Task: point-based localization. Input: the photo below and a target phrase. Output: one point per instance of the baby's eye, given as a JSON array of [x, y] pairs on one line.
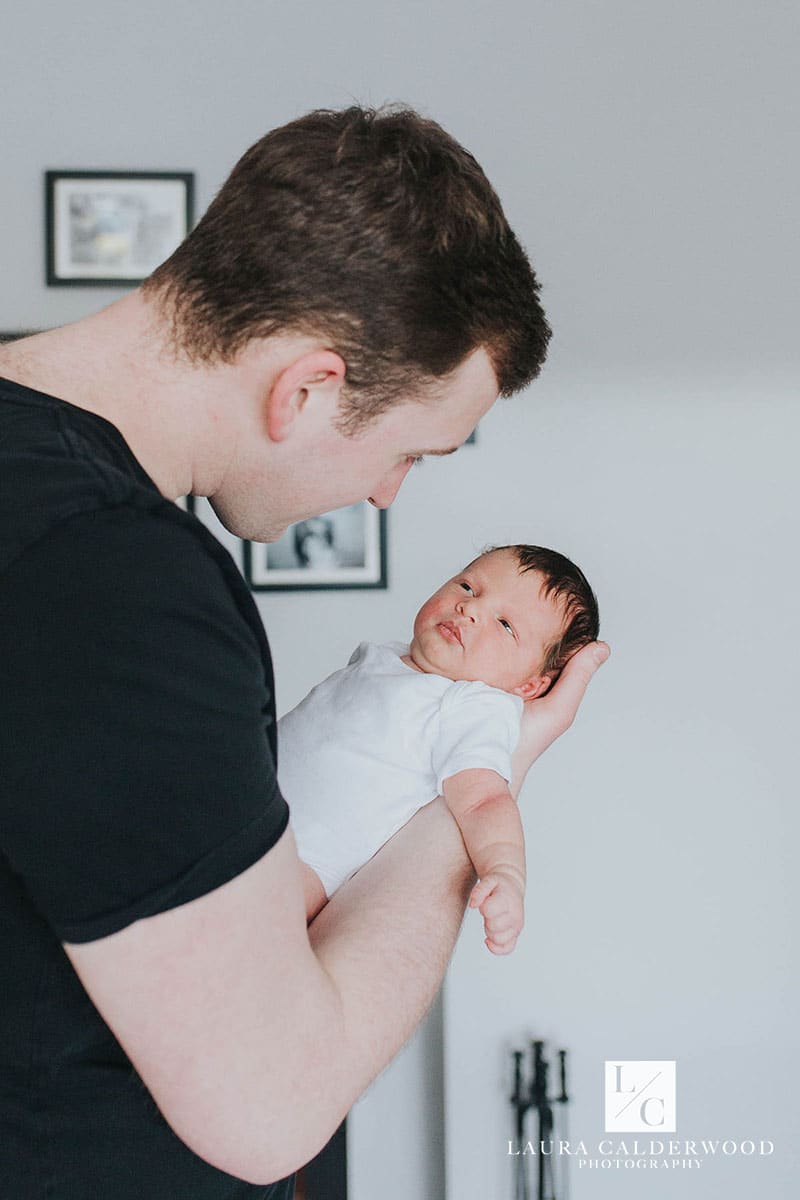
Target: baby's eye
[[466, 587], [509, 628], [416, 460]]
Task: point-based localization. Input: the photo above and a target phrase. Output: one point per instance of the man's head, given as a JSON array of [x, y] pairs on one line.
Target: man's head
[[373, 233], [512, 618]]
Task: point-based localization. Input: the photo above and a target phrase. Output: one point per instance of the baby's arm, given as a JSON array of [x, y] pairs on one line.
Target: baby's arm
[[490, 824]]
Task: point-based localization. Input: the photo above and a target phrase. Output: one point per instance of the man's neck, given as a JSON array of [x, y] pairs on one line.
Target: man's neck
[[118, 364]]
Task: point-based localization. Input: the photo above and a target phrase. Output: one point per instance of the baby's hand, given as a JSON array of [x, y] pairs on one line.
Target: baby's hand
[[501, 900]]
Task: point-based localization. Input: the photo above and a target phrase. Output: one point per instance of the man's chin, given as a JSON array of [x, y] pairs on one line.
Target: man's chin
[[270, 536], [246, 528]]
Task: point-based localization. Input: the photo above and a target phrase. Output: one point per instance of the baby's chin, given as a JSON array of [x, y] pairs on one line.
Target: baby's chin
[[431, 665]]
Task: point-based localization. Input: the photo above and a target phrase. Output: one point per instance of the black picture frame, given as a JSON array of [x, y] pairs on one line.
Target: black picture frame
[[349, 546], [13, 335], [96, 221]]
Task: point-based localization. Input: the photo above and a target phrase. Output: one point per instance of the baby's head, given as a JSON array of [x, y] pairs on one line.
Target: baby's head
[[512, 619]]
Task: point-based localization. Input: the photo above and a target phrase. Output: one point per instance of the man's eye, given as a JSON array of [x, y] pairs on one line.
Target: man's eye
[[506, 625], [466, 587]]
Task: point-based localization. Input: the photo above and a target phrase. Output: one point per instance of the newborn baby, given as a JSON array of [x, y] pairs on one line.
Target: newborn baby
[[400, 725]]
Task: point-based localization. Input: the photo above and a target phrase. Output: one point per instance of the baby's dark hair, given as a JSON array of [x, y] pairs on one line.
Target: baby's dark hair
[[566, 582]]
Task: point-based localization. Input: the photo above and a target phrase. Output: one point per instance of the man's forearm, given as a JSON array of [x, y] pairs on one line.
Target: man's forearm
[[278, 1010], [386, 936]]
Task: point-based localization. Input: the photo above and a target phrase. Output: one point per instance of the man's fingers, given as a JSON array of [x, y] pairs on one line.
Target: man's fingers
[[565, 697], [548, 717]]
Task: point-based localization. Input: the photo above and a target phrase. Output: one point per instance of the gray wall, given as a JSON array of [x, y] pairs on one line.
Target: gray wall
[[647, 156]]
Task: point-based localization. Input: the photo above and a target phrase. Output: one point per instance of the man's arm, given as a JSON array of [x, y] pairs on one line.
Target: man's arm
[[255, 1035]]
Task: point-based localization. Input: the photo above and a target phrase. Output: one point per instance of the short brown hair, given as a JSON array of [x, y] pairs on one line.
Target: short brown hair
[[372, 229], [564, 581]]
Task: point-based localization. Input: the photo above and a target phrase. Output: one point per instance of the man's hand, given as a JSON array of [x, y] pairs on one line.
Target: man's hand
[[501, 900], [545, 719]]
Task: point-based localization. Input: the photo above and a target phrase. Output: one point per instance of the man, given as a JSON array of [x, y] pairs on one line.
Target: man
[[351, 301]]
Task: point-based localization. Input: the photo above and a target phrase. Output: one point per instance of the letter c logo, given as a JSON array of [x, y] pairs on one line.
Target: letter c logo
[[643, 1111]]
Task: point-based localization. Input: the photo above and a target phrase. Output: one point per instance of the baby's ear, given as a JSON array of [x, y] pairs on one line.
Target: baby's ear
[[533, 687]]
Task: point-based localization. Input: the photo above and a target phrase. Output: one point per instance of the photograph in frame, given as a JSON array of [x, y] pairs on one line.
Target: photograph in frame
[[113, 227], [345, 548], [14, 335]]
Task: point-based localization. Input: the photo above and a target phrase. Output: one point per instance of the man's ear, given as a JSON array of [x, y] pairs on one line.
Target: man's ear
[[321, 372], [533, 687]]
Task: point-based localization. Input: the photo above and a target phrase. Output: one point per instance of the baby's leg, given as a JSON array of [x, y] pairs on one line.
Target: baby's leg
[[313, 892]]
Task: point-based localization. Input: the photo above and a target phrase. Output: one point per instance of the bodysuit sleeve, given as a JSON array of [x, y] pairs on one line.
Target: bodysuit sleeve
[[137, 770], [478, 727]]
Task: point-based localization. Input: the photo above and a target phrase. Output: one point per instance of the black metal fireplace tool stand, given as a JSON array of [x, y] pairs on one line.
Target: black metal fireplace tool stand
[[533, 1094]]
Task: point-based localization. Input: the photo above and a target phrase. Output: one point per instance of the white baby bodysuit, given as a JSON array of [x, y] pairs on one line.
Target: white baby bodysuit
[[372, 744]]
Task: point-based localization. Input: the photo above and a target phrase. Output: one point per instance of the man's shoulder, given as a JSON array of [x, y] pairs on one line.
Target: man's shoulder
[[59, 463], [143, 556]]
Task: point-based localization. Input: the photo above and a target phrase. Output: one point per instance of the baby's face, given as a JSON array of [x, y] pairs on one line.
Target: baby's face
[[490, 622]]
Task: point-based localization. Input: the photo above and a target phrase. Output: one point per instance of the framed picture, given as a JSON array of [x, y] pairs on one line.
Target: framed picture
[[341, 549], [12, 335], [113, 227]]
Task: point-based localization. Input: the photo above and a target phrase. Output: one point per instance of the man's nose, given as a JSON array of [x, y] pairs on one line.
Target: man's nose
[[389, 486]]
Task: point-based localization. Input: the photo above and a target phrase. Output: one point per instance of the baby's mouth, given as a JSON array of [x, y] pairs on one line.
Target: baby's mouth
[[451, 632]]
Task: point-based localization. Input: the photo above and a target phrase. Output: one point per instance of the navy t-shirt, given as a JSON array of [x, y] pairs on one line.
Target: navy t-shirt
[[137, 772]]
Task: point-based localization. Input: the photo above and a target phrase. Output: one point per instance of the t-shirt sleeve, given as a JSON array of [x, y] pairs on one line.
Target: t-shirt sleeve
[[137, 771], [478, 727]]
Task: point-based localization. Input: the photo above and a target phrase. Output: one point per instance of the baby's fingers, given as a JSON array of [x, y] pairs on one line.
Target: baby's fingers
[[498, 907], [501, 935], [501, 947], [483, 888]]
